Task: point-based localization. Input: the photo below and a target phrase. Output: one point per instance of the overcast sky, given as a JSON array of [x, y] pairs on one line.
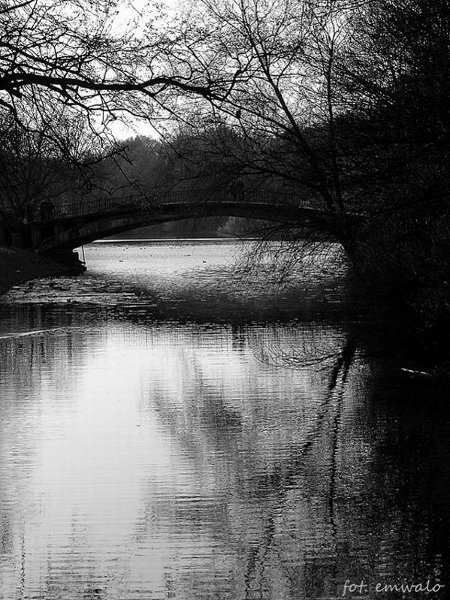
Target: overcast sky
[[132, 10]]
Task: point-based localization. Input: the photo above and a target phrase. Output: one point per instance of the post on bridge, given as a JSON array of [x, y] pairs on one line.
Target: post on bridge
[[46, 210], [237, 190]]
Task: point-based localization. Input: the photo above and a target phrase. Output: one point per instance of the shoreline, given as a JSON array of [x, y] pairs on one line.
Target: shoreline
[[18, 266]]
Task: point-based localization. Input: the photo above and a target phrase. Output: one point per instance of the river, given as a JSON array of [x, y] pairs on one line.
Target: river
[[176, 426]]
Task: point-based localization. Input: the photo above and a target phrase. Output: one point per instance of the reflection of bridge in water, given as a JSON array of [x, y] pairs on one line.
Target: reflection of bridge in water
[[49, 228]]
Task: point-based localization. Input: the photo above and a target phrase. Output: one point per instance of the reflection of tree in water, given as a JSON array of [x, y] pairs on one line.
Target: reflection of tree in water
[[272, 492], [285, 477], [403, 492], [342, 497], [333, 504], [409, 424]]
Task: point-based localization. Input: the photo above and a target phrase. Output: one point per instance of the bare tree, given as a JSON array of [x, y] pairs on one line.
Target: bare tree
[[79, 53], [347, 102], [283, 100], [48, 163], [67, 70]]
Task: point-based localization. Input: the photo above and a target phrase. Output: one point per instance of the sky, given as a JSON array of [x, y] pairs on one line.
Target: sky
[[131, 10]]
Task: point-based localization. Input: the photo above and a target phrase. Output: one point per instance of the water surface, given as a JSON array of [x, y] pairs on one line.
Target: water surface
[[173, 429]]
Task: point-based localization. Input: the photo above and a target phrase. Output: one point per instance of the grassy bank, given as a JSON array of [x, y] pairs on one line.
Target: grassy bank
[[18, 265]]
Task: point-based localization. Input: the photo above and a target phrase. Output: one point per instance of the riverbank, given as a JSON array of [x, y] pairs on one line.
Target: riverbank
[[17, 266]]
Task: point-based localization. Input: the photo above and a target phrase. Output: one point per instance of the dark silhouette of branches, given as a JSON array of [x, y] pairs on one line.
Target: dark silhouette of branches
[[80, 54]]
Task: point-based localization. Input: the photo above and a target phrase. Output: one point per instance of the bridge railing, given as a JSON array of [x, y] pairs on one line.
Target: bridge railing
[[47, 211]]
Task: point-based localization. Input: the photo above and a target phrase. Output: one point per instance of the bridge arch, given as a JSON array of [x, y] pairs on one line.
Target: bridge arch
[[72, 230]]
